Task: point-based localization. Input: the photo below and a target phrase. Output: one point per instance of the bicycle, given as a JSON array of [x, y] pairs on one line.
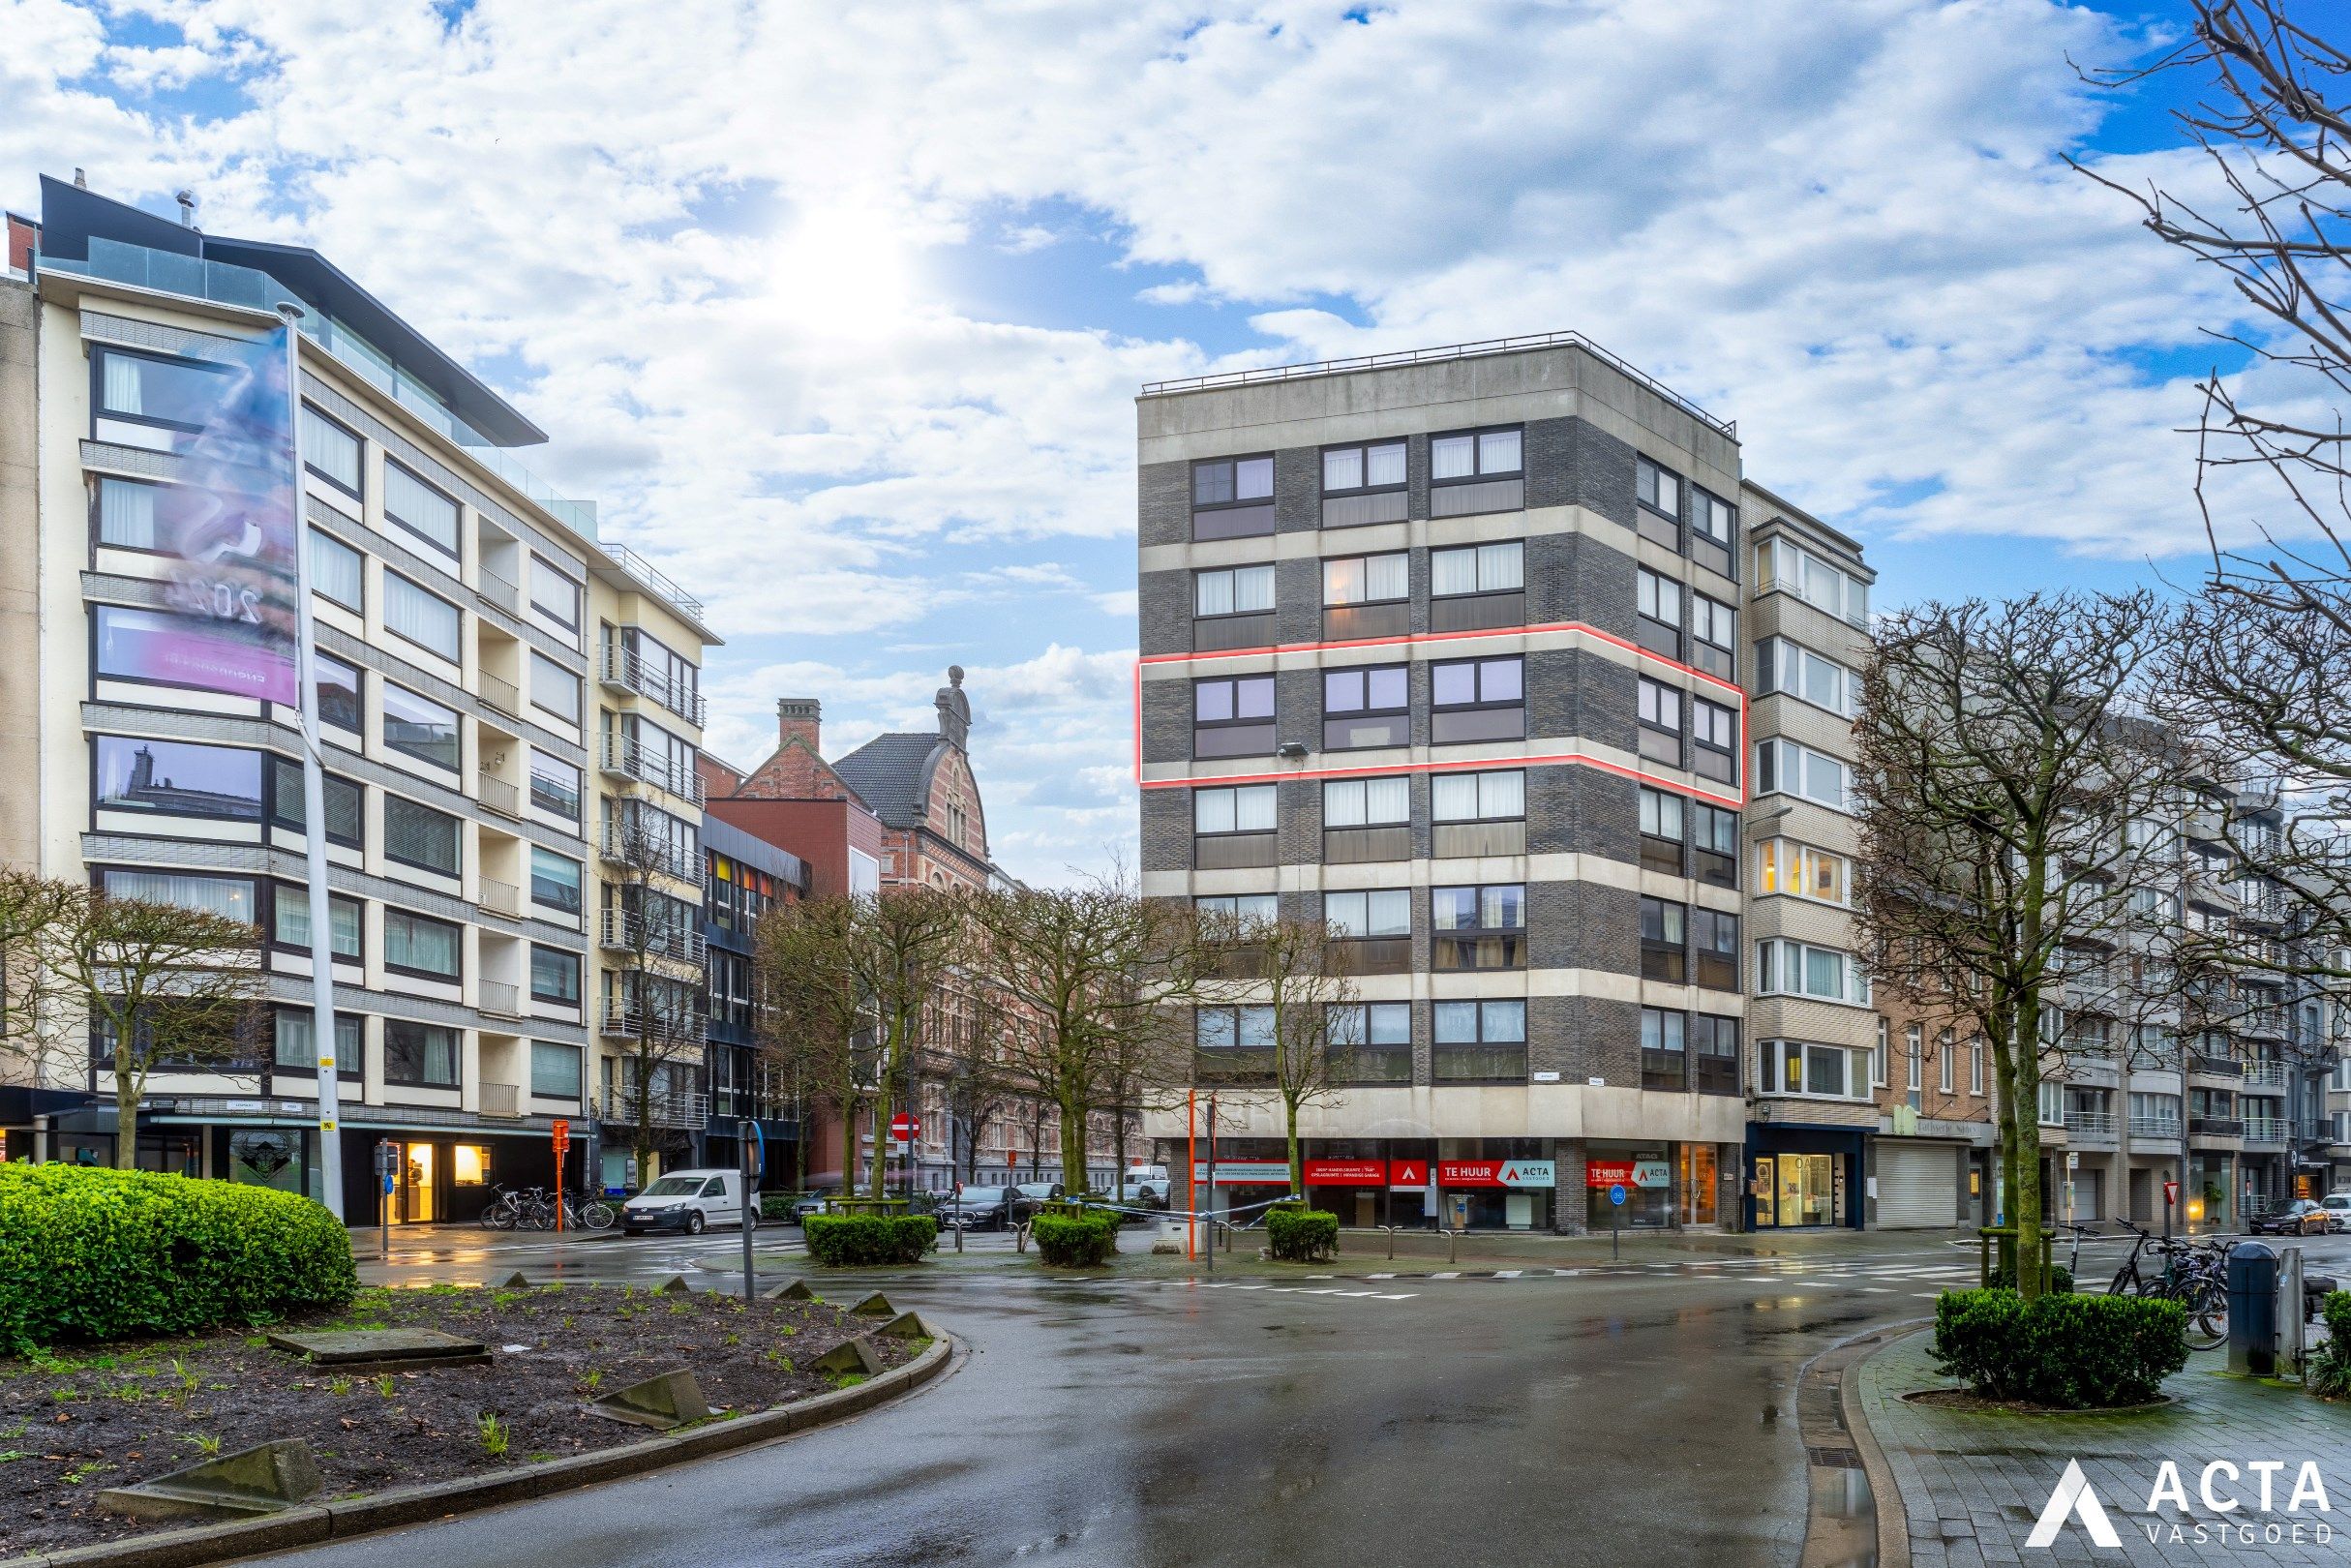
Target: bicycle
[[505, 1211]]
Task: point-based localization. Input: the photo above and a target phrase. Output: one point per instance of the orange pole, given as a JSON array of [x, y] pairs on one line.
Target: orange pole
[[1192, 1167]]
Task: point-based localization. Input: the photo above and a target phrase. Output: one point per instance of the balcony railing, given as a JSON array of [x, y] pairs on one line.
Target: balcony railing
[[628, 931], [2165, 1128], [500, 796], [2219, 1067], [2265, 1075], [652, 855], [499, 998], [628, 672], [667, 1108], [500, 1100], [681, 1025], [2266, 1129], [637, 566], [2216, 1126], [629, 760], [500, 592], [2089, 1124], [504, 897], [501, 693]]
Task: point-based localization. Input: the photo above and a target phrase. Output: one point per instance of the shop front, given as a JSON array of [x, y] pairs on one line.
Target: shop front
[[1804, 1178]]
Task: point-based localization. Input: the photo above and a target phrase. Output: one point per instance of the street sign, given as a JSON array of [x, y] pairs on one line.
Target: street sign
[[905, 1129], [1616, 1194], [2073, 1159]]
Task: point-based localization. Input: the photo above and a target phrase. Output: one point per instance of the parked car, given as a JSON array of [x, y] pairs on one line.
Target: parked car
[[2338, 1210], [976, 1208], [2302, 1217], [1147, 1186], [691, 1202], [1021, 1206]]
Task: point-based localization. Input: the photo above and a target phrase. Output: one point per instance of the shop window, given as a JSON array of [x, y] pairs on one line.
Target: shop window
[[469, 1164]]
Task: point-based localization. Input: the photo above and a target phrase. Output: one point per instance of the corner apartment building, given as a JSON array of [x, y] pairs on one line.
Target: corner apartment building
[[452, 592], [1444, 649]]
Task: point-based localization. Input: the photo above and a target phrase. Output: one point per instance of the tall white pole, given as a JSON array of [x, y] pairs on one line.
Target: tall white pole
[[314, 804]]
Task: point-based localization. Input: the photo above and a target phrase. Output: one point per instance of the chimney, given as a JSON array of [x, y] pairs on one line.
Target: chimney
[[187, 202], [801, 717], [82, 181]]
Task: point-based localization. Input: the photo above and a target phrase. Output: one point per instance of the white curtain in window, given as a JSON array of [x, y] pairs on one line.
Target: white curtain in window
[[334, 569], [330, 450], [1498, 452], [1453, 797], [1214, 594], [1252, 589], [440, 1056], [122, 385], [126, 512], [419, 617], [420, 507], [1387, 577], [1453, 571], [1342, 803], [293, 922], [220, 895], [1387, 799], [1385, 464], [1253, 809], [1455, 457], [1342, 470], [1502, 796], [1501, 567], [415, 944]]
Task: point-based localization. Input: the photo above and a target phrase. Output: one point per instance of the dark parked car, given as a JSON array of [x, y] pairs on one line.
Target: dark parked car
[[978, 1208], [1020, 1206], [2303, 1217]]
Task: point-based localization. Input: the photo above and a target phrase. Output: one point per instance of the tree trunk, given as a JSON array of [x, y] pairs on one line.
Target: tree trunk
[[1289, 1109], [126, 1117], [2028, 1206], [1073, 1147]]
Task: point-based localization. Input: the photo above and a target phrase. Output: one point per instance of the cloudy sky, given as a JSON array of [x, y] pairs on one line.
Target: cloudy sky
[[839, 311]]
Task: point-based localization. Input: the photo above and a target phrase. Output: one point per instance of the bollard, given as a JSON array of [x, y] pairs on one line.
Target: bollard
[[2289, 1312], [2253, 1310], [1453, 1246], [1391, 1230]]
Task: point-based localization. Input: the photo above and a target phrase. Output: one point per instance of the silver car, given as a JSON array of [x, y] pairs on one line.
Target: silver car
[[2338, 1211]]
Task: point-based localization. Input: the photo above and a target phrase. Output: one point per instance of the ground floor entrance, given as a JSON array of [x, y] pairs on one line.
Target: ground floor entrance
[[1801, 1178]]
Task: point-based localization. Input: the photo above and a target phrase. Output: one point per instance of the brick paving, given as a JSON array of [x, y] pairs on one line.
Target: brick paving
[[1973, 1484]]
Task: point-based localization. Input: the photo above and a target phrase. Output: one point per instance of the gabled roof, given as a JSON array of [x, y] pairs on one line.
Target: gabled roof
[[892, 773]]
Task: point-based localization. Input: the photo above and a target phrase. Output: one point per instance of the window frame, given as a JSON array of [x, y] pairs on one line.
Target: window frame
[[1478, 472], [1363, 786], [457, 725], [1665, 957], [570, 622], [275, 808], [1477, 568], [101, 351], [578, 977], [278, 892], [358, 440], [577, 909], [457, 651], [98, 744], [1363, 451], [1233, 462], [454, 550], [400, 912], [1269, 721], [1481, 704], [1202, 575], [1645, 467], [1233, 790], [577, 716], [457, 836], [312, 532], [1454, 938], [457, 1055], [1365, 559], [1476, 776]]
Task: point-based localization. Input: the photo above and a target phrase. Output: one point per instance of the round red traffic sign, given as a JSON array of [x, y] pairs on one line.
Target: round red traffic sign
[[905, 1129]]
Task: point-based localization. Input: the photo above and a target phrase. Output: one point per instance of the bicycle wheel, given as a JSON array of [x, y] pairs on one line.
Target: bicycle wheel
[[539, 1217], [498, 1216], [2207, 1316], [596, 1215]]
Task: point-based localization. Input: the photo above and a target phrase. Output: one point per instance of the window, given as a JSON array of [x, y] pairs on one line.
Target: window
[[1349, 469], [177, 778], [1480, 455], [1657, 489], [419, 1055], [1478, 700], [1379, 912], [1238, 909], [1797, 969], [1479, 1039], [1497, 796], [1366, 580], [1793, 670], [1793, 1067], [1714, 1047], [1664, 941], [1232, 716], [555, 976], [1786, 768], [1711, 516], [1487, 568], [1714, 728], [231, 896], [1665, 1050], [152, 646], [419, 508], [415, 835], [1369, 707], [1714, 835], [420, 945], [1235, 1029], [1660, 713], [1232, 497], [1662, 831], [554, 786], [1880, 1057], [330, 451], [1248, 808], [555, 1071], [1658, 601], [339, 702], [346, 804], [1365, 802], [290, 916], [298, 1035], [554, 593], [555, 688], [1374, 1040], [337, 571], [1236, 591], [1975, 1065], [151, 390], [135, 515], [654, 668], [1479, 927], [1714, 637], [1800, 871], [555, 881], [1781, 566], [424, 618], [1714, 948], [1947, 1066], [419, 729]]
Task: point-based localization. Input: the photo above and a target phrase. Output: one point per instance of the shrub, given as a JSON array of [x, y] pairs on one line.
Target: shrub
[[2060, 1279], [1074, 1240], [778, 1205], [109, 1254], [847, 1241], [2074, 1353], [2330, 1366], [1302, 1235]]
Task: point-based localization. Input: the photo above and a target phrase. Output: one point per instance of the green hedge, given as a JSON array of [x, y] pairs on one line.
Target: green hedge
[[2329, 1367], [2060, 1279], [1302, 1235], [846, 1240], [2075, 1352], [111, 1254], [1078, 1241]]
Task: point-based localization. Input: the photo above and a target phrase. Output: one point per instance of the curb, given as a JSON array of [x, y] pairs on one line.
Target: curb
[[1837, 1440], [443, 1499], [1893, 1520]]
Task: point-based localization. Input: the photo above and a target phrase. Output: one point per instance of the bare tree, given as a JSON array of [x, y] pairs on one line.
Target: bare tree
[[164, 985], [906, 945], [2017, 808], [44, 1025], [1282, 990], [815, 1025], [657, 998]]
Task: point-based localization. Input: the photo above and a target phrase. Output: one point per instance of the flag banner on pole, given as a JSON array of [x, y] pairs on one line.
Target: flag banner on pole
[[229, 625]]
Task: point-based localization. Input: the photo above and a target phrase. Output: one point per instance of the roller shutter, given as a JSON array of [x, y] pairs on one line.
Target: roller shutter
[[1918, 1186]]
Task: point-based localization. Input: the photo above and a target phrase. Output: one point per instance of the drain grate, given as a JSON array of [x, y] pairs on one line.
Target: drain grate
[[1834, 1459]]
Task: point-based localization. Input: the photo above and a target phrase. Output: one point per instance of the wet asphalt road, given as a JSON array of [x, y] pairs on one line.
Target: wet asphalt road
[[1620, 1418]]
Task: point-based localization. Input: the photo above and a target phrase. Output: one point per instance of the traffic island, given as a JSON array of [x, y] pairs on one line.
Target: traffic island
[[90, 1435]]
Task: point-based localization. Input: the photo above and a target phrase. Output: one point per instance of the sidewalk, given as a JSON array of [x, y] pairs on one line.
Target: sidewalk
[[1973, 1484]]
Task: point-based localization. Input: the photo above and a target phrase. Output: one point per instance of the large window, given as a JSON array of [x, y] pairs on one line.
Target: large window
[[1782, 865], [419, 945], [1234, 1040], [424, 618], [1713, 529], [1714, 949], [555, 688], [1485, 454], [1365, 802], [1233, 591], [1714, 738], [1713, 637], [1497, 796], [1657, 602], [1372, 1042], [419, 508], [1232, 716], [1356, 579], [1782, 567], [1239, 911], [419, 1055], [1248, 808], [297, 1042], [1664, 831], [135, 515], [177, 778], [1786, 968], [555, 976], [555, 594], [1478, 700], [1487, 568], [1367, 707], [1368, 913], [1479, 927], [415, 835], [346, 804], [1660, 712], [232, 896], [337, 572], [1656, 488], [1714, 835], [289, 922], [1787, 767], [1232, 497], [555, 1070], [1665, 1050], [1664, 941], [1346, 470], [555, 881], [330, 451], [167, 397], [419, 729], [339, 702], [554, 786], [1714, 1049], [1793, 1067], [1796, 671], [1479, 1041]]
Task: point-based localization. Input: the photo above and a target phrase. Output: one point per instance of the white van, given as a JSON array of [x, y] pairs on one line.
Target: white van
[[690, 1200], [1147, 1186]]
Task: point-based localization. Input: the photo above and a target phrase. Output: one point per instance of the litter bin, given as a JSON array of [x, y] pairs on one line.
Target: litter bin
[[2253, 1310]]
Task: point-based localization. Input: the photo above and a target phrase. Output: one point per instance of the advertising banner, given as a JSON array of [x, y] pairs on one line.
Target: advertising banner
[[1600, 1173], [232, 532], [1245, 1172], [1346, 1173], [1521, 1173]]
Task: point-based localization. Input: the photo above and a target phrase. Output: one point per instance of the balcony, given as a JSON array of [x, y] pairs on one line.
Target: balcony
[[683, 1025], [2267, 1130], [624, 670], [626, 930], [499, 796], [499, 693], [2216, 1067], [667, 1107], [2265, 1075], [625, 759], [500, 1100], [2216, 1126], [501, 999], [644, 851], [637, 566], [2155, 1129], [499, 897], [2094, 1126], [495, 588]]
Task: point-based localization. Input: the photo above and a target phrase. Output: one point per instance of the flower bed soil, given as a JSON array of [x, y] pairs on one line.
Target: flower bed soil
[[82, 1418], [1967, 1399]]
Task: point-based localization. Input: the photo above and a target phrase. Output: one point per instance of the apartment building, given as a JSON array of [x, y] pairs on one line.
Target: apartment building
[[745, 876], [452, 594], [1443, 650]]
